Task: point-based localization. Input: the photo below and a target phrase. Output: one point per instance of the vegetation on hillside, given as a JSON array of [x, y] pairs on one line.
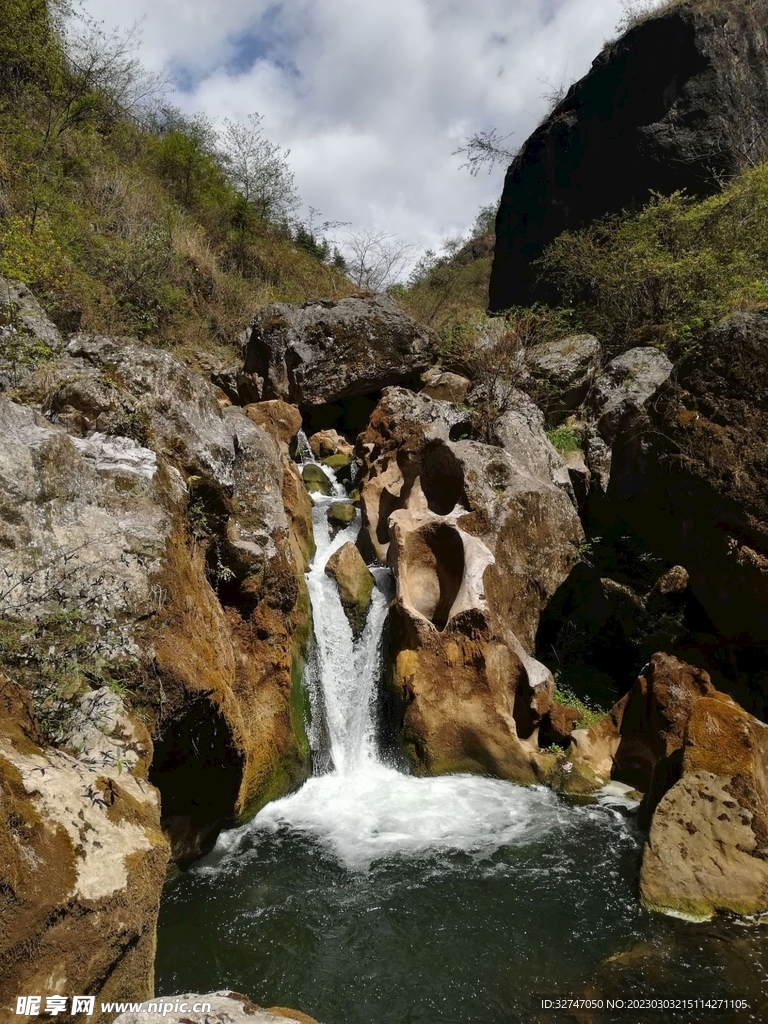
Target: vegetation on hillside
[[127, 216], [663, 276]]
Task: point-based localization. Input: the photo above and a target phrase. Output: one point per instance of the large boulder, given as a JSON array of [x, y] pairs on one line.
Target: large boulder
[[82, 856], [690, 474], [623, 388], [562, 372], [479, 537], [707, 849], [639, 741], [327, 351], [671, 105]]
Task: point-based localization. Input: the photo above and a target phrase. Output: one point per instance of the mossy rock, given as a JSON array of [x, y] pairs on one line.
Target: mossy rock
[[340, 515], [315, 480], [355, 583], [341, 465]]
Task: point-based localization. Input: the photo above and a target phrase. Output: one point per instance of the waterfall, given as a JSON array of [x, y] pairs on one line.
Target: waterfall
[[356, 805]]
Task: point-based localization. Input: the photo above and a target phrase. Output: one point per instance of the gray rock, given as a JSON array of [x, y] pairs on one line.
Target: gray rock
[[84, 523], [624, 386], [27, 336], [563, 371], [327, 351]]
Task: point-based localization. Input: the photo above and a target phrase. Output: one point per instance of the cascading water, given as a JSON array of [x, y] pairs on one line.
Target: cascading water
[[374, 897], [364, 808]]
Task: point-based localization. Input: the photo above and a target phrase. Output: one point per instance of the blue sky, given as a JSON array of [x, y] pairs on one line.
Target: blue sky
[[373, 96]]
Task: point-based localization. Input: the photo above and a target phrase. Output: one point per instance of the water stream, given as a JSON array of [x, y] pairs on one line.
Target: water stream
[[374, 897]]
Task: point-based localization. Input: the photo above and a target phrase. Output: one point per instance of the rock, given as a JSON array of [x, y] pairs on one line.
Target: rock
[[689, 475], [624, 386], [84, 523], [479, 537], [445, 387], [562, 372], [329, 442], [623, 389], [579, 475], [355, 583], [27, 337], [558, 724], [279, 419], [340, 514], [223, 1008], [668, 106], [670, 591], [82, 857], [315, 480], [327, 351], [341, 464], [708, 844], [640, 741], [202, 535]]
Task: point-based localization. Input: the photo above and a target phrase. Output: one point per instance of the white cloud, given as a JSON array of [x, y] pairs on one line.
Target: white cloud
[[372, 96]]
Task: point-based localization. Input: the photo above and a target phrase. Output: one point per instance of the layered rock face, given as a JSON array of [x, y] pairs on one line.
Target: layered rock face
[[676, 103], [83, 857], [690, 473], [228, 619], [170, 536], [331, 351], [479, 537]]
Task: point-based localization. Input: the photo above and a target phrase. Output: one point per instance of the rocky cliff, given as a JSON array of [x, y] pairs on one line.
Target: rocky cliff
[[679, 102]]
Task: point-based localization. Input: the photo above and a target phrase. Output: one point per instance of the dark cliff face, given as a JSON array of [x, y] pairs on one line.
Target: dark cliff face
[[679, 102]]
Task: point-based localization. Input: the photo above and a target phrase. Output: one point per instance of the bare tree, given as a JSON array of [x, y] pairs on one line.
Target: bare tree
[[258, 168], [375, 259], [485, 149]]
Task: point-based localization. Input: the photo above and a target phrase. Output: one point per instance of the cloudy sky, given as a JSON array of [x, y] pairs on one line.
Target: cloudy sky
[[373, 96]]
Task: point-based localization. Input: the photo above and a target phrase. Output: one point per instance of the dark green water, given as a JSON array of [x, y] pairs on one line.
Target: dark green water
[[447, 937]]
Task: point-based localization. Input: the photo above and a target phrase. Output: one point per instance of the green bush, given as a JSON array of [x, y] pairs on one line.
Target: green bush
[[564, 438], [589, 713], [664, 275]]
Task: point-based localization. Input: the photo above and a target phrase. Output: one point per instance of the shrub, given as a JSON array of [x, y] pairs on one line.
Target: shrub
[[664, 275], [564, 438], [589, 713]]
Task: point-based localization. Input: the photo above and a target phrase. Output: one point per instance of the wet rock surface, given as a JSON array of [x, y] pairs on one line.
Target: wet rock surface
[[478, 536]]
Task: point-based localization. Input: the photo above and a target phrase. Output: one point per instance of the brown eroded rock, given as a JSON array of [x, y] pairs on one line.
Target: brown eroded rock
[[479, 536], [707, 849], [281, 420], [355, 583], [82, 857], [640, 741], [326, 443]]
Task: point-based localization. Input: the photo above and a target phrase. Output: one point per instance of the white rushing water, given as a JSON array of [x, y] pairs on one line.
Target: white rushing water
[[363, 809]]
